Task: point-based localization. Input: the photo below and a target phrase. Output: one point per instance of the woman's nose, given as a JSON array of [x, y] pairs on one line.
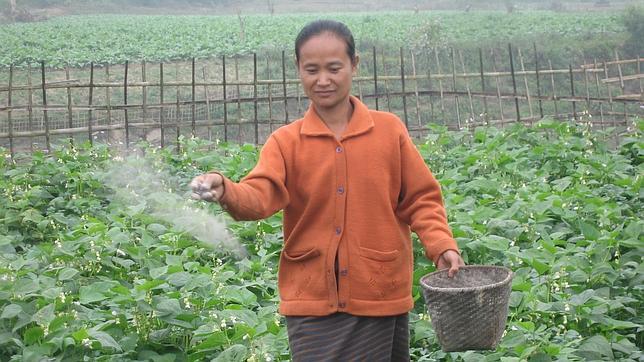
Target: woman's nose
[[323, 79]]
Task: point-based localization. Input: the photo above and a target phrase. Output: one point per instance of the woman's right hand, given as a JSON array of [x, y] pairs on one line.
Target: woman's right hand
[[207, 187]]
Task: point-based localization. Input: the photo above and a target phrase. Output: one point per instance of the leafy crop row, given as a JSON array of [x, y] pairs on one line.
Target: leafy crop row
[[87, 275], [112, 39]]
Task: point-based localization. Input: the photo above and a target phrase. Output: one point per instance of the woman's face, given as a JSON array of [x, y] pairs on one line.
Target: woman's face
[[326, 71]]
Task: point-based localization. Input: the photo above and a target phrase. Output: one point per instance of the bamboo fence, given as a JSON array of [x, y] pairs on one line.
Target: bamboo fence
[[241, 99]]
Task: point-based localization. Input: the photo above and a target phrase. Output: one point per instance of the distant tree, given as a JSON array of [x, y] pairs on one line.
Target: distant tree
[[633, 19]]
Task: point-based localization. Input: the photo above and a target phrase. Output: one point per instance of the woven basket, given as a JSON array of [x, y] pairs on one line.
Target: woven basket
[[468, 311]]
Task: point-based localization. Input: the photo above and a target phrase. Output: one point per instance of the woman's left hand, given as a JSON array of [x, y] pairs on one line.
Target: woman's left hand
[[450, 259]]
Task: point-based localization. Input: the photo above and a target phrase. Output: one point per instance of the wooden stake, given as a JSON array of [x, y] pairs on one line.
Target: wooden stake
[[284, 87], [193, 106], [384, 67], [402, 80], [601, 104], [127, 121], [572, 92], [108, 96], [375, 78], [514, 83], [30, 105], [270, 96], [458, 110], [162, 101], [178, 109], [467, 87], [498, 89], [225, 97], [90, 102], [144, 90], [70, 123], [413, 67], [554, 90], [525, 81], [9, 118], [536, 71], [440, 86], [205, 91], [485, 114], [256, 121], [44, 103]]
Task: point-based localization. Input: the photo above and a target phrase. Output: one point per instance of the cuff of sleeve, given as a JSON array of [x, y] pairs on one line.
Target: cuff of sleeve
[[435, 251]]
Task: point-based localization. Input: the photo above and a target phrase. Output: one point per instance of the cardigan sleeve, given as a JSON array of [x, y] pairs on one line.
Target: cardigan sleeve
[[263, 191], [421, 204]]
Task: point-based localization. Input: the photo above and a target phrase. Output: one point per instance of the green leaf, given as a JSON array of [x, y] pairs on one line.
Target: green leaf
[[168, 307], [234, 353], [590, 232], [582, 298], [10, 311], [595, 347], [33, 335], [90, 294], [104, 339], [45, 315]]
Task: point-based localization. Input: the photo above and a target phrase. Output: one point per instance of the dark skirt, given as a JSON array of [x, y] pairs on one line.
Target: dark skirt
[[344, 337]]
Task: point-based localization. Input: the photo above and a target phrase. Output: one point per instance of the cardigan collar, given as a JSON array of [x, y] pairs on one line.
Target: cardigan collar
[[360, 122]]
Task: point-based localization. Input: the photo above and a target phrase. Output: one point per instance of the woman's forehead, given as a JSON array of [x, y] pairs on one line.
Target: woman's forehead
[[326, 46]]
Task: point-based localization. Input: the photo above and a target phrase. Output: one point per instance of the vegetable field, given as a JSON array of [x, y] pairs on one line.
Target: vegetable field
[[113, 39], [92, 271]]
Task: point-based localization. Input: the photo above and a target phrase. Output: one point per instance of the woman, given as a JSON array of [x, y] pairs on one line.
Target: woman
[[351, 184]]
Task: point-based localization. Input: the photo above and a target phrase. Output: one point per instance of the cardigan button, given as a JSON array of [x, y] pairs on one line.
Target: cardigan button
[[340, 190], [338, 149], [338, 230]]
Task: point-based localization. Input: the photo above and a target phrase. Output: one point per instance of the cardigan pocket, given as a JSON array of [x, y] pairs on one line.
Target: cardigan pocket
[[380, 275], [301, 255], [379, 255], [299, 275]]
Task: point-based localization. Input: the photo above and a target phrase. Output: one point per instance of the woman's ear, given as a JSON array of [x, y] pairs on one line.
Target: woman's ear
[[354, 65]]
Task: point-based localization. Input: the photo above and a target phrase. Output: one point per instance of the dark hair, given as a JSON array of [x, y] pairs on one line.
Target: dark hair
[[318, 27]]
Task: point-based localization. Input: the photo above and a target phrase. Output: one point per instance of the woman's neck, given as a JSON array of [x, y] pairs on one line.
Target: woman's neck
[[337, 117]]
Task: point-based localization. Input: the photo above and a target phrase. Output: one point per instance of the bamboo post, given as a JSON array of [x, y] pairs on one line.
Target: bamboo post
[[69, 106], [610, 94], [90, 103], [270, 96], [223, 77], [44, 104], [498, 88], [162, 110], [619, 70], [30, 106], [467, 86], [527, 88], [413, 67], [9, 110], [284, 87], [639, 71], [127, 121], [402, 80], [255, 98], [108, 96], [429, 89], [536, 71], [193, 105], [554, 89], [238, 93], [358, 81], [572, 92], [601, 104], [458, 108], [514, 83], [178, 108], [440, 86], [384, 67], [485, 115], [588, 105], [205, 91], [144, 89], [375, 78]]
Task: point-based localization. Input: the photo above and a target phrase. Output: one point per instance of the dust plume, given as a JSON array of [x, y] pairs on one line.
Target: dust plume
[[139, 186]]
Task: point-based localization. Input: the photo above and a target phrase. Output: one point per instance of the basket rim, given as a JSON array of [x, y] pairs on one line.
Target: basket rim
[[506, 280]]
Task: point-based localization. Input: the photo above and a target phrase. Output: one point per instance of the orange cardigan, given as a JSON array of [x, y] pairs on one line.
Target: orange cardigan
[[356, 198]]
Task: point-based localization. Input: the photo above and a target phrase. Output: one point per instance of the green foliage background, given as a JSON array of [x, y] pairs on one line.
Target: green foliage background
[[84, 275]]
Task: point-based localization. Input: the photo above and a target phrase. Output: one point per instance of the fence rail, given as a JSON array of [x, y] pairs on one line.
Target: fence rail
[[227, 98]]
